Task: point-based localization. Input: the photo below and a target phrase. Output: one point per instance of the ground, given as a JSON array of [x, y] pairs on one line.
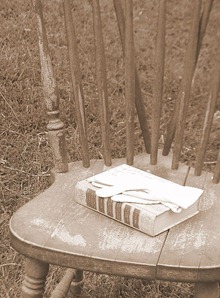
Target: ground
[[25, 155]]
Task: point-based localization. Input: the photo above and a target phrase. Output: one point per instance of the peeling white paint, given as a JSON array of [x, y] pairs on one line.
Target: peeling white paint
[[197, 240], [66, 237], [60, 232], [142, 245], [208, 199], [135, 242], [40, 223], [110, 240]]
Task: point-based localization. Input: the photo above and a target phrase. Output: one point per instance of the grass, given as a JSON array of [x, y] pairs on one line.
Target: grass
[[25, 155]]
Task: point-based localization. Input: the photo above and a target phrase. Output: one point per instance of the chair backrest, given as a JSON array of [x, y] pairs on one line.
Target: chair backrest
[[135, 103]]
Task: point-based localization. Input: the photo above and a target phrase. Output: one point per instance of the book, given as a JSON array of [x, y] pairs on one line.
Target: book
[[151, 218]]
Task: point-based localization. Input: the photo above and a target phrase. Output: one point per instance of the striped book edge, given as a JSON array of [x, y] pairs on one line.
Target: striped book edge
[[133, 215], [149, 219]]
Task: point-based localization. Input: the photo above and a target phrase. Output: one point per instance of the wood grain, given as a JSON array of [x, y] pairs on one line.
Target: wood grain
[[35, 278], [101, 81], [210, 110], [64, 233], [62, 288], [129, 81], [76, 237], [158, 81], [139, 102], [76, 82], [189, 68], [216, 176], [55, 126], [190, 251]]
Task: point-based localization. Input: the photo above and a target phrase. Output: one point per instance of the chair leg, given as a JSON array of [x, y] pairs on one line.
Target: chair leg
[[76, 284], [207, 289], [34, 280]]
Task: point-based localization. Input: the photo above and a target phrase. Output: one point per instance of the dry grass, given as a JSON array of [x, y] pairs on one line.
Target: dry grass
[[25, 156]]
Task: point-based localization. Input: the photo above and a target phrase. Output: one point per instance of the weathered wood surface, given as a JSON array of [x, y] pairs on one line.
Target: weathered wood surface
[[189, 68], [129, 81], [210, 110], [139, 102], [159, 62], [102, 82], [196, 34], [35, 278], [76, 76], [191, 251], [62, 232], [55, 126], [216, 174], [77, 284], [64, 285]]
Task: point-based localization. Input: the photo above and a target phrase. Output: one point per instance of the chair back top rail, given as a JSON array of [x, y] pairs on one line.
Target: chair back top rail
[[133, 94]]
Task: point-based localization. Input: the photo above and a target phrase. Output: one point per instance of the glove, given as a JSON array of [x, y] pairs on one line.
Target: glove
[[144, 189]]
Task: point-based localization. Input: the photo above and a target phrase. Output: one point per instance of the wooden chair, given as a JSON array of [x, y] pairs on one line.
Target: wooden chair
[[53, 229]]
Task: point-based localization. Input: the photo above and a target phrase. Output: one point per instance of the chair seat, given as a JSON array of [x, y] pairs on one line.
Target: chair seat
[[191, 251], [47, 228]]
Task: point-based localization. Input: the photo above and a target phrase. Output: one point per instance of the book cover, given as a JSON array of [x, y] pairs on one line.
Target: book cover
[[152, 218]]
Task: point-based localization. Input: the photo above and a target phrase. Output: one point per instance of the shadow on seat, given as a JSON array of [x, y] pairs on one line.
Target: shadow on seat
[[61, 232]]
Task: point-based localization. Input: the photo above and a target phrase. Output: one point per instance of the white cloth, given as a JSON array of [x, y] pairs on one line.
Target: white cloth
[[127, 187]]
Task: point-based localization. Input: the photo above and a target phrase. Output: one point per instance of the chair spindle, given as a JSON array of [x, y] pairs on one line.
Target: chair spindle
[[71, 283], [102, 81], [210, 110], [216, 176], [76, 82], [172, 124], [139, 103], [158, 81], [63, 286], [189, 67], [55, 126], [203, 23], [129, 80]]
